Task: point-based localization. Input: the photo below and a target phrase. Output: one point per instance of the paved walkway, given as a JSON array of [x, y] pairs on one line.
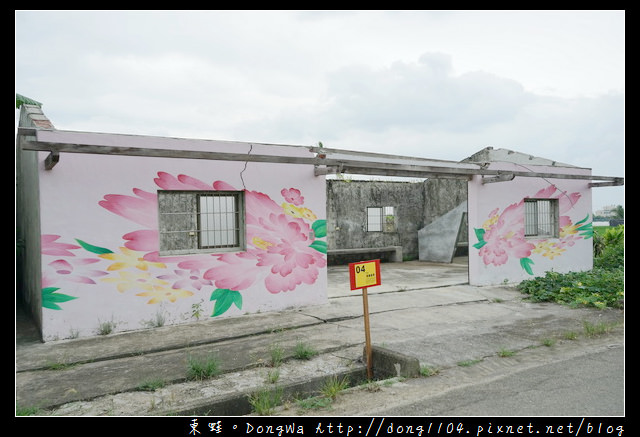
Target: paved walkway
[[427, 311]]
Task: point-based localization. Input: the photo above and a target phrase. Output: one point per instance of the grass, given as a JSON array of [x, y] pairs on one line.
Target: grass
[[151, 385], [314, 403], [303, 351], [273, 376], [333, 386], [467, 363], [277, 355], [330, 390], [202, 368], [548, 342], [27, 411], [427, 371], [504, 353], [593, 330], [106, 328], [264, 401], [60, 366]]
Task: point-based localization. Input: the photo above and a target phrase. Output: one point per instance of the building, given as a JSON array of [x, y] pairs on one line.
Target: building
[[119, 232]]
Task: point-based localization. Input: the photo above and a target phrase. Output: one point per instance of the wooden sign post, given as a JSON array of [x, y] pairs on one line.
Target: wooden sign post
[[362, 275]]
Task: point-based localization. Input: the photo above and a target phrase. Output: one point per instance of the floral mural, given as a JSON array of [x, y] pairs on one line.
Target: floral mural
[[284, 249], [501, 236]]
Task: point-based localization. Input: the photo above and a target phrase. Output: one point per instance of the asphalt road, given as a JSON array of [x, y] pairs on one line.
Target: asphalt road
[[573, 378], [587, 385]]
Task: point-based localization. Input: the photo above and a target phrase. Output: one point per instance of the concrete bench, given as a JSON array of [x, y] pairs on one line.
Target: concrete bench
[[396, 251]]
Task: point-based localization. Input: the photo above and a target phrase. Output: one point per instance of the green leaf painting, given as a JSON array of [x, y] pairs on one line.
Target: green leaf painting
[[319, 228], [480, 236], [320, 246], [585, 229], [526, 264], [93, 249], [224, 298], [50, 298]]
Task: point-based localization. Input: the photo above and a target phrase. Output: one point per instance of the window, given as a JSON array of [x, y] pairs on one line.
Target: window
[[541, 218], [200, 221], [381, 219]]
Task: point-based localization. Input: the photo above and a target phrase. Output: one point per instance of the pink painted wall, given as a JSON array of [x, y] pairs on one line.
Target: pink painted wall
[[498, 250], [99, 226]]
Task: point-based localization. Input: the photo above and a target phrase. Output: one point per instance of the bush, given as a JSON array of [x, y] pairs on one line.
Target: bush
[[601, 287]]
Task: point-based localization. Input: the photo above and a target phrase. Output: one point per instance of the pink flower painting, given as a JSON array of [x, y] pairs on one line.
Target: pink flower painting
[[284, 249], [501, 236]]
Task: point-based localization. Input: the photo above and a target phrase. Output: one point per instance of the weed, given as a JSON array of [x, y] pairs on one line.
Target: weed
[[371, 386], [303, 351], [27, 411], [156, 322], [273, 376], [570, 335], [314, 403], [196, 310], [506, 353], [334, 385], [265, 400], [428, 371], [151, 385], [277, 355], [106, 328], [593, 330], [60, 366], [467, 363], [200, 369], [601, 287], [548, 342]]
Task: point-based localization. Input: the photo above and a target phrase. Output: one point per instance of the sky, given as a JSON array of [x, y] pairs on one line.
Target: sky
[[440, 84]]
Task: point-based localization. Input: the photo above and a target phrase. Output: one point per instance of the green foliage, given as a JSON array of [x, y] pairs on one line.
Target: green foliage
[[601, 287], [151, 385], [277, 355], [304, 351], [27, 411], [334, 386], [607, 238], [264, 401], [201, 369]]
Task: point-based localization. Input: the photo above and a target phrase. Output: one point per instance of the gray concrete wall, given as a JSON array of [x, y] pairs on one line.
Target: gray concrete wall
[[441, 196], [416, 205], [347, 203]]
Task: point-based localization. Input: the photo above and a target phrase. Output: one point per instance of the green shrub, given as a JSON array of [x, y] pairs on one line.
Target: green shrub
[[601, 287]]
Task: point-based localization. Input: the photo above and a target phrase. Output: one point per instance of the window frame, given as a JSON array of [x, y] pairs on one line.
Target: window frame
[[383, 225], [193, 226], [541, 208]]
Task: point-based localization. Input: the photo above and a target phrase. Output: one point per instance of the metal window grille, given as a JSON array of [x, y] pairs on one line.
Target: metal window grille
[[193, 221], [381, 219], [541, 217]]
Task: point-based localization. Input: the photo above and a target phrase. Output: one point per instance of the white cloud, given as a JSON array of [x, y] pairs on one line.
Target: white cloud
[[438, 84]]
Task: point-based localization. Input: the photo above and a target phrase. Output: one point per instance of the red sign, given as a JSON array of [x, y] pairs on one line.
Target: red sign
[[364, 274]]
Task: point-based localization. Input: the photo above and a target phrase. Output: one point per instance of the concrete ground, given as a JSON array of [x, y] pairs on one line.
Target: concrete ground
[[423, 312]]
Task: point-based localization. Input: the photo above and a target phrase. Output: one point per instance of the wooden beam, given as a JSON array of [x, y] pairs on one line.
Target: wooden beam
[[616, 183], [51, 160], [499, 178]]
